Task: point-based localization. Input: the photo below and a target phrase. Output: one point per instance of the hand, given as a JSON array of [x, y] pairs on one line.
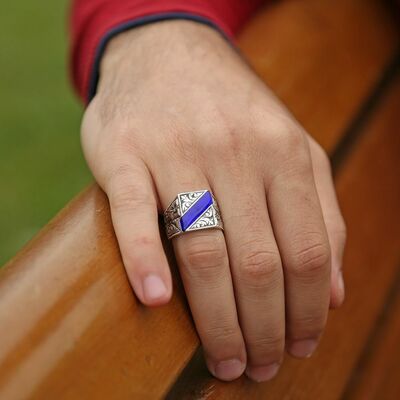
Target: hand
[[178, 110]]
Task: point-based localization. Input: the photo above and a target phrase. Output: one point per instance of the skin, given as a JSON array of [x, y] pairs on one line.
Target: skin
[[177, 109]]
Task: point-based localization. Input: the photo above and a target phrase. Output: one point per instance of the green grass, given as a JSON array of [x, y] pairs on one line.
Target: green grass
[[41, 164]]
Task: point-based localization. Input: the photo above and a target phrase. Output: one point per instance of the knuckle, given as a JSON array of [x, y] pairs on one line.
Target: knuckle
[[205, 254], [134, 259], [259, 266], [221, 341], [127, 198], [118, 173], [145, 241], [288, 145], [268, 346], [222, 334], [313, 258], [307, 326], [290, 135]]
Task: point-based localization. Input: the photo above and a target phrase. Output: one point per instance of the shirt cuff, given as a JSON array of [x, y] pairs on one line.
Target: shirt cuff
[[93, 23], [94, 72]]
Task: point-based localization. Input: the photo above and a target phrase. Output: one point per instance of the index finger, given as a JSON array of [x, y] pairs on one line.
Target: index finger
[[135, 218]]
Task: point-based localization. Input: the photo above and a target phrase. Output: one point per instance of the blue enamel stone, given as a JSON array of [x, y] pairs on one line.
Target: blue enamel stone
[[196, 210]]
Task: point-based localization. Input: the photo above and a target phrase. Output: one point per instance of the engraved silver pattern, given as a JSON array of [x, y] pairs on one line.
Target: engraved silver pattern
[[210, 218], [187, 199], [207, 219], [172, 212]]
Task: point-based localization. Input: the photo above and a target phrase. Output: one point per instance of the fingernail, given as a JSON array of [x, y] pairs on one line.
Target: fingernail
[[229, 369], [153, 288], [303, 348], [264, 373]]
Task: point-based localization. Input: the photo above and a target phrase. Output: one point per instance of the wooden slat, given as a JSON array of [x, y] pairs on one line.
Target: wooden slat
[[73, 327], [66, 304], [369, 192], [379, 372]]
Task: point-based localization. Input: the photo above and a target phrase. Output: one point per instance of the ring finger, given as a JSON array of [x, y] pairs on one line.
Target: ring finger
[[204, 266]]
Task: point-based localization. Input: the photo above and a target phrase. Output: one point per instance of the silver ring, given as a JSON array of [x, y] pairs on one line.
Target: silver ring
[[192, 211]]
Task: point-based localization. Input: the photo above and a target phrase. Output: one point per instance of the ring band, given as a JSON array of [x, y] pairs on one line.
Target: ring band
[[192, 211]]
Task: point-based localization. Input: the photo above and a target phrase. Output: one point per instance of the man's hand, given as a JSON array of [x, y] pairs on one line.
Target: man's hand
[[178, 110]]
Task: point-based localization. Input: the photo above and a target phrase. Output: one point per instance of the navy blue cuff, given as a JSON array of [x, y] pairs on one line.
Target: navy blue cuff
[[95, 73]]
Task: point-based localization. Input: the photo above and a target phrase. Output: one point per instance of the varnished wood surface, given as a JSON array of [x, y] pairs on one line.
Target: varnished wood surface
[[72, 323], [70, 327], [378, 375]]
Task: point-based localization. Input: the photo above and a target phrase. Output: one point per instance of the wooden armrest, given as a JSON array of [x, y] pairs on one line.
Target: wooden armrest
[[70, 326]]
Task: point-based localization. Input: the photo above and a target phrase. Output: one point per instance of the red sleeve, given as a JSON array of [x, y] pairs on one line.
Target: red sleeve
[[94, 22]]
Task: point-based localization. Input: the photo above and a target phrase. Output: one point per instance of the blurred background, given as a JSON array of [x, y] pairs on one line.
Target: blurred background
[[41, 163]]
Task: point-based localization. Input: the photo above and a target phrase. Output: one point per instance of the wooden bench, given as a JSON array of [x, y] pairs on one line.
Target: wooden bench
[[70, 327]]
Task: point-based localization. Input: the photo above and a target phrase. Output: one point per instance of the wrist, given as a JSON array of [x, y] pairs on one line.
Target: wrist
[[163, 44]]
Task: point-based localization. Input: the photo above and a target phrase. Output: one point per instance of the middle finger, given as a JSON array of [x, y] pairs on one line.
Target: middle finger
[[256, 269]]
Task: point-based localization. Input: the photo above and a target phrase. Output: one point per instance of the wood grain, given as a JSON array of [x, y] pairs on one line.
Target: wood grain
[[73, 323], [377, 377], [70, 326]]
